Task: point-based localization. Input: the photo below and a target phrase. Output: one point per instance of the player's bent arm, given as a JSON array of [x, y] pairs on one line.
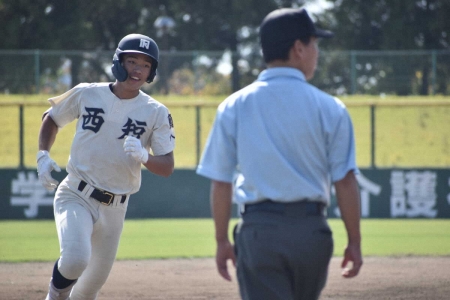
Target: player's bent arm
[[47, 133], [162, 165], [348, 200]]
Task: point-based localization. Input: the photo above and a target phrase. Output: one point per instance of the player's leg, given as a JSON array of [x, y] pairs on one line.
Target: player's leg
[[74, 225], [105, 241], [59, 287]]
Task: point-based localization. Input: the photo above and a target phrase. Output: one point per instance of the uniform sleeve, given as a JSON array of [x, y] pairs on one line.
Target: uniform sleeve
[[65, 108], [341, 147], [163, 136], [219, 158]]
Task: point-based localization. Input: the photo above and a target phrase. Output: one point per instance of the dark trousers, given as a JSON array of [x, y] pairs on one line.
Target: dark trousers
[[283, 254]]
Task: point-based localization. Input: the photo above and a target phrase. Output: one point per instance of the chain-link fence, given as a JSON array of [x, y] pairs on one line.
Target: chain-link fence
[[384, 72], [54, 72], [212, 73]]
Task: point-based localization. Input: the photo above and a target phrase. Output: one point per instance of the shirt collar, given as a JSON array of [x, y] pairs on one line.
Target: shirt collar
[[281, 71]]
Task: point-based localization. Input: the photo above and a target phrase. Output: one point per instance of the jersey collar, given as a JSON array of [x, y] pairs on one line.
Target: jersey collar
[[281, 72]]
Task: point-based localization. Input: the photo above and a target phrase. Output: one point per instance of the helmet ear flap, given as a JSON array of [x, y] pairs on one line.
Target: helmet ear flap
[[152, 75], [118, 70]]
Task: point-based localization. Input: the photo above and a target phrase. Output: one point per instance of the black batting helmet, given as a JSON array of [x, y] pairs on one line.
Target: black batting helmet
[[135, 43]]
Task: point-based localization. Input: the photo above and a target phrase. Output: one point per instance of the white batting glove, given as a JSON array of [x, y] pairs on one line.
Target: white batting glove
[[132, 147], [45, 166]]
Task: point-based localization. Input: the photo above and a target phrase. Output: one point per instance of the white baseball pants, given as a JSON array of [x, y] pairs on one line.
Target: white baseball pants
[[89, 234]]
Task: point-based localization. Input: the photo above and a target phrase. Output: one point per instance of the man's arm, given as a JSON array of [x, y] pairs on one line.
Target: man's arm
[[221, 212], [47, 133], [162, 165], [348, 199]]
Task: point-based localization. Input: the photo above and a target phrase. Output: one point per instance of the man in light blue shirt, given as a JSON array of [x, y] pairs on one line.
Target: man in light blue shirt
[[276, 147]]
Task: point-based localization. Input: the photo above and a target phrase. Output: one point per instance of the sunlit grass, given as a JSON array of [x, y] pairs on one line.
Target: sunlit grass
[[180, 238]]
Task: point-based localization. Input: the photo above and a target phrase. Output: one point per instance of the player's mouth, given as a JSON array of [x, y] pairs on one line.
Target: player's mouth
[[135, 78]]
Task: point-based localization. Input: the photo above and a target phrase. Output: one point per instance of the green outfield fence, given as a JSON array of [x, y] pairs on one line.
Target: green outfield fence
[[389, 133], [411, 72]]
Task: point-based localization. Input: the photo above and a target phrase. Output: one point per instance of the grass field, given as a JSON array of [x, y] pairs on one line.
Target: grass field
[[180, 238], [413, 136]]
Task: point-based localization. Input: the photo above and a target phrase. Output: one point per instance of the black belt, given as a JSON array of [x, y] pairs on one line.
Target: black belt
[[103, 197], [304, 207]]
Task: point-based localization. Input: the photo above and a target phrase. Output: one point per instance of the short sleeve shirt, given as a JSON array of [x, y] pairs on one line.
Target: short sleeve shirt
[[280, 138], [104, 120]]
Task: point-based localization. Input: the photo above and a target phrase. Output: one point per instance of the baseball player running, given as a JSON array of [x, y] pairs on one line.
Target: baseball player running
[[117, 126]]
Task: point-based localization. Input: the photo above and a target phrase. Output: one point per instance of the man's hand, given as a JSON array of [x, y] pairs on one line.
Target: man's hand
[[352, 254], [45, 165], [224, 252], [133, 148]]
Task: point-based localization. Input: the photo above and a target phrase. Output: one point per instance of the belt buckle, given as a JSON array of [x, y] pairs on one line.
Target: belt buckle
[[111, 198]]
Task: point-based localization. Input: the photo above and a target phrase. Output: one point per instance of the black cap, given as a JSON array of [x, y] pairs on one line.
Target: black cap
[[287, 25]]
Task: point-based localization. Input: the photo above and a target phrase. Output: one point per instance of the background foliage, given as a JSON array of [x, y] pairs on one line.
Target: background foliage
[[228, 25]]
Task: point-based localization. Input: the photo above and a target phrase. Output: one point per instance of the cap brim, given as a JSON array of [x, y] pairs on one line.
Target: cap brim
[[323, 33]]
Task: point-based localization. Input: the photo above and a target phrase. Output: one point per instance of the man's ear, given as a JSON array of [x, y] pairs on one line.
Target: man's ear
[[298, 49]]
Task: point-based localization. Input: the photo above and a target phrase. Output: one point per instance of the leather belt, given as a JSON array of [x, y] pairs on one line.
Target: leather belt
[[104, 197], [303, 207]]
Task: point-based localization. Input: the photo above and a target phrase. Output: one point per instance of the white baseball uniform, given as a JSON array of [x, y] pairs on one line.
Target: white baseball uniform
[[88, 230]]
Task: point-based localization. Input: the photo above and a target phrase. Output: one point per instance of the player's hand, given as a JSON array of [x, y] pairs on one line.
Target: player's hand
[[133, 148], [45, 165]]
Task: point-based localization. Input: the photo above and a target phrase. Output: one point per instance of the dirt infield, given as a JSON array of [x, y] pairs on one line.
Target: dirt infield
[[381, 278]]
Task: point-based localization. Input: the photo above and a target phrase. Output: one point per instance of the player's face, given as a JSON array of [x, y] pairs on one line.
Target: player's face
[[138, 67]]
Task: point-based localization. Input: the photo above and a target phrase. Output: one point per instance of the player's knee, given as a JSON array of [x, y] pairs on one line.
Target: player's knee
[[73, 267]]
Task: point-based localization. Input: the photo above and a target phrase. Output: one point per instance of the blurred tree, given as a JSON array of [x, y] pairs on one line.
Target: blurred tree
[[215, 25], [391, 25], [223, 25], [100, 24]]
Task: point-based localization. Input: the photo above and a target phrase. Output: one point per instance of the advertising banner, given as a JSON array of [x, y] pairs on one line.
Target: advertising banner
[[385, 193]]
